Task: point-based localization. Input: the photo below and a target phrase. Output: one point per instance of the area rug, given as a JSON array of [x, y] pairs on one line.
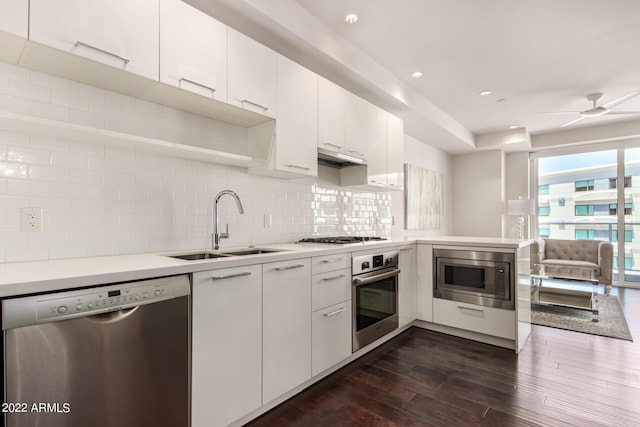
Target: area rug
[[611, 321]]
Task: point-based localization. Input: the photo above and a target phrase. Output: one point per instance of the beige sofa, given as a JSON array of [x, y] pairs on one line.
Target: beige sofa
[[588, 260]]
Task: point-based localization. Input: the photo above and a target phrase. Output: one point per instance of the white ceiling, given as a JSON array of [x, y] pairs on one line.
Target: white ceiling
[[535, 56]]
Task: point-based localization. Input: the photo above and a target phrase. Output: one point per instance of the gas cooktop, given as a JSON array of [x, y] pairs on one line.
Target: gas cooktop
[[341, 240]]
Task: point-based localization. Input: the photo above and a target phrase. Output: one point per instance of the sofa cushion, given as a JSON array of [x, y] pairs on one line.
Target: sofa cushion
[[569, 262], [577, 250]]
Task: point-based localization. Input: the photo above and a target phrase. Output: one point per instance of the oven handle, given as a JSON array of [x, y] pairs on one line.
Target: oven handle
[[371, 279]]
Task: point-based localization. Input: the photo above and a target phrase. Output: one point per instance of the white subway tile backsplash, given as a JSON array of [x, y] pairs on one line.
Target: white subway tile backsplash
[[49, 111], [103, 199], [14, 104], [29, 91]]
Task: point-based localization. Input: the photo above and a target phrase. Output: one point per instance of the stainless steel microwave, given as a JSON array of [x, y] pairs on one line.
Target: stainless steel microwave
[[476, 277]]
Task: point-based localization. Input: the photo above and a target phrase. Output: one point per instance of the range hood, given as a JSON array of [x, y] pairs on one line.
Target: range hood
[[338, 160]]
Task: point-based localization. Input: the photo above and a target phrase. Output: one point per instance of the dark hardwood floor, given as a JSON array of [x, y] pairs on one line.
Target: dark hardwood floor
[[424, 378]]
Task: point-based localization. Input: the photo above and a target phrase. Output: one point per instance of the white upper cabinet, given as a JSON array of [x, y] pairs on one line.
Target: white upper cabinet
[[193, 50], [358, 115], [289, 144], [297, 123], [120, 33], [331, 115], [252, 74], [14, 18], [376, 136], [395, 152], [14, 28]]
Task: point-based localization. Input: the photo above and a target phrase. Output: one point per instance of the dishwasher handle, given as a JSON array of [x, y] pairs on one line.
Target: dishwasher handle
[[112, 316]]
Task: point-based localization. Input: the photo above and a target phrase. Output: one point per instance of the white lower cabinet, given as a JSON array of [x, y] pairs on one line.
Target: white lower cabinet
[[485, 320], [286, 326], [332, 312], [226, 345], [331, 336], [407, 285], [424, 260]]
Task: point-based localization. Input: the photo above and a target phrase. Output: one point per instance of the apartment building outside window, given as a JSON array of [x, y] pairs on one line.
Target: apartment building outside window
[[579, 198]]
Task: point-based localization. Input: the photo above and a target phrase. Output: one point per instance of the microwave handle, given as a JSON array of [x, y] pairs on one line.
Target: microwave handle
[[371, 279]]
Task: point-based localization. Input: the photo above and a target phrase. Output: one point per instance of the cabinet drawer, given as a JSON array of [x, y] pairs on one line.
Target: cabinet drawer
[[322, 264], [331, 331], [476, 318], [330, 288]]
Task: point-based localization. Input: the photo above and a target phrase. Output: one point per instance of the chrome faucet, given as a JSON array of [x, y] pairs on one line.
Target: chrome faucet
[[217, 236]]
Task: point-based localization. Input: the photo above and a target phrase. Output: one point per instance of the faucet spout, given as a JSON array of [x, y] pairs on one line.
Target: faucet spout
[[217, 235]]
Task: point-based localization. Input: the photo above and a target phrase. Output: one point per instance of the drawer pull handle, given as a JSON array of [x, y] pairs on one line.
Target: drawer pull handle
[[228, 276], [122, 58], [333, 313], [326, 279], [289, 267], [182, 79], [331, 261], [406, 249], [471, 309], [299, 167], [373, 181], [357, 153], [246, 101], [339, 147]]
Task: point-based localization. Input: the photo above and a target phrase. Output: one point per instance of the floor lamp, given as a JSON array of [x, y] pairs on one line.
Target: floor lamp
[[521, 207]]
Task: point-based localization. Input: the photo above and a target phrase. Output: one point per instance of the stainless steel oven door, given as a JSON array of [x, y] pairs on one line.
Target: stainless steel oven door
[[375, 306]]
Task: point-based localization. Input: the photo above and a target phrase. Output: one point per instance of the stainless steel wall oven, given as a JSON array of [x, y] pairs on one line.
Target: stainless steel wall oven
[[476, 277], [374, 297]]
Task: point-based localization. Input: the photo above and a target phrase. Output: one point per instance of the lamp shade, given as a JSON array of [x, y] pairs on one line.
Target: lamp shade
[[521, 207]]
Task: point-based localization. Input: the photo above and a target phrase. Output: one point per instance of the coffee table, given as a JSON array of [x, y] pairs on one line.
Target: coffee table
[[581, 300]]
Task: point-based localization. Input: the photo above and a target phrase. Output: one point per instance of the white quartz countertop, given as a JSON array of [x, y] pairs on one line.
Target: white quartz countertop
[[20, 278], [490, 242]]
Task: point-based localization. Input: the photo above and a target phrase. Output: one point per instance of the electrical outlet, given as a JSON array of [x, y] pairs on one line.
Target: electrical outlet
[[31, 219], [267, 220]]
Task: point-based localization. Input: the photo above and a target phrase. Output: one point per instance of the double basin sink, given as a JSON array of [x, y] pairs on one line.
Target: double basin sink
[[193, 256]]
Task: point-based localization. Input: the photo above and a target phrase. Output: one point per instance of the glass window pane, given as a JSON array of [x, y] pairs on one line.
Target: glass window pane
[[577, 189]]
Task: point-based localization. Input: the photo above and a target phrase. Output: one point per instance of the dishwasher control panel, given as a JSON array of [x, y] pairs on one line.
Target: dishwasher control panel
[[87, 302]]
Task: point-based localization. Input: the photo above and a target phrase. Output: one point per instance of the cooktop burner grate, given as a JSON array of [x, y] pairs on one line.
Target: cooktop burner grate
[[341, 239]]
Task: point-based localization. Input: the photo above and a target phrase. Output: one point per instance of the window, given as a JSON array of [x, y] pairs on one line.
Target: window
[[543, 189], [628, 262], [544, 211], [613, 208], [613, 182], [628, 235], [585, 234], [585, 185], [544, 232], [585, 210]]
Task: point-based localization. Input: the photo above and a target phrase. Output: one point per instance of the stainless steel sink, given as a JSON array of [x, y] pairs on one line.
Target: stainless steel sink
[[250, 252], [211, 255], [199, 255]]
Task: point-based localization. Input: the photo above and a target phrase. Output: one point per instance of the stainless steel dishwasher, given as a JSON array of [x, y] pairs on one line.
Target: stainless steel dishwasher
[[116, 355]]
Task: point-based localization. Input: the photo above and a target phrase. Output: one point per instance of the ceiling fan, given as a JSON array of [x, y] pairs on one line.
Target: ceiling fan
[[601, 110]]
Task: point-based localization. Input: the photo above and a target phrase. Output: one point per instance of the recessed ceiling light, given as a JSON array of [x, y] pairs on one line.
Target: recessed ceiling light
[[416, 74], [485, 92], [514, 127], [351, 18]]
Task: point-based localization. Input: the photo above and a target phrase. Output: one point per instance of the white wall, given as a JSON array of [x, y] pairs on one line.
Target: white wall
[[478, 194], [517, 185], [102, 200], [420, 154]]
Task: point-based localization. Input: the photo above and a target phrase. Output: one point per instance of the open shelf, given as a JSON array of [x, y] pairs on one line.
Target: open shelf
[[46, 127]]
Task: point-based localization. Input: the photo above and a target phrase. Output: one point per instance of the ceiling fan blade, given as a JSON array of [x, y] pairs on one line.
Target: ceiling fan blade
[[621, 99], [560, 112], [573, 121], [625, 111]]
